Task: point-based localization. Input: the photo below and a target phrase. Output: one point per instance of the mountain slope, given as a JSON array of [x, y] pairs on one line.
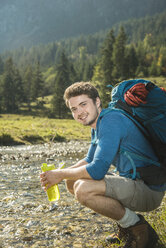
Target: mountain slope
[[27, 23]]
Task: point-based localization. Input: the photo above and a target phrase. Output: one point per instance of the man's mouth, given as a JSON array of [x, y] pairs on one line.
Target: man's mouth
[[82, 118]]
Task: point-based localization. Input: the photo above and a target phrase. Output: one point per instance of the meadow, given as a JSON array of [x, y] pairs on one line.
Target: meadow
[[20, 129]]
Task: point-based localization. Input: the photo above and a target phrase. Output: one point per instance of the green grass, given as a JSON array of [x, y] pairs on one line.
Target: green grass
[[15, 129]]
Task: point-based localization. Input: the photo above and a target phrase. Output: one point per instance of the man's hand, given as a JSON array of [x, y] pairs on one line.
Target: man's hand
[[50, 178]]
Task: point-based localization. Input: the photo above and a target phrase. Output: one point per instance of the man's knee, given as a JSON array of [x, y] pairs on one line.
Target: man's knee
[[81, 190], [85, 189]]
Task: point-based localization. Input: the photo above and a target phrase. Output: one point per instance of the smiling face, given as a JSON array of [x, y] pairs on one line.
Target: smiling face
[[85, 110]]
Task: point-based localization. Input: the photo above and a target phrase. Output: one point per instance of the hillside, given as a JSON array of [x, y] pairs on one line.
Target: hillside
[[26, 23], [136, 29]]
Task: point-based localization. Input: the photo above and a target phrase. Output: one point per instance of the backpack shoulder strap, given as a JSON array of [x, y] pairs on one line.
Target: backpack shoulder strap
[[140, 157], [131, 155]]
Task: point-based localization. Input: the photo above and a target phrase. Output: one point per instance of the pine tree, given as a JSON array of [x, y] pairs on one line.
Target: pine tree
[[28, 78], [81, 64], [18, 82], [106, 59], [142, 69], [12, 88], [119, 55], [73, 74], [131, 62], [62, 81], [37, 87], [103, 70]]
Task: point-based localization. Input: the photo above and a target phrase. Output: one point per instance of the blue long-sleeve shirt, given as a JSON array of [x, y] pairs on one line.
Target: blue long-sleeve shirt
[[115, 131]]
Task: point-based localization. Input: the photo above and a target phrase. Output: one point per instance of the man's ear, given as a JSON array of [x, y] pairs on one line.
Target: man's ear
[[98, 102]]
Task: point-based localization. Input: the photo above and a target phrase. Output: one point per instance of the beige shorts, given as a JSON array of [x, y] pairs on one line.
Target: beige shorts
[[133, 194]]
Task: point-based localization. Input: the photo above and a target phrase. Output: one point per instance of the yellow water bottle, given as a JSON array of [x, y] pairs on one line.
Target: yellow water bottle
[[53, 193]]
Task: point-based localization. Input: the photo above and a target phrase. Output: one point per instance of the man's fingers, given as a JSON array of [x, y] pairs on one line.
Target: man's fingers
[[43, 174], [44, 181], [45, 184]]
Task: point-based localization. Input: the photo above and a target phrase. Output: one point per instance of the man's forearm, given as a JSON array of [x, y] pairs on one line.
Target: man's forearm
[[79, 164], [75, 173]]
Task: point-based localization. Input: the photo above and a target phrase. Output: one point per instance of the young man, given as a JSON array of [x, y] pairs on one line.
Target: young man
[[114, 196]]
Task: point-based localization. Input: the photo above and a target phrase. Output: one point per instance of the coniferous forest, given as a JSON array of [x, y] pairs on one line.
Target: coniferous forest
[[130, 49]]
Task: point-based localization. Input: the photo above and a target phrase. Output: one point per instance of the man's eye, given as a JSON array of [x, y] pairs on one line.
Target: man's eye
[[84, 104]]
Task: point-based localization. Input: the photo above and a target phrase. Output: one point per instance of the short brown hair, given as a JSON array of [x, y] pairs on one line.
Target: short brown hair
[[80, 88]]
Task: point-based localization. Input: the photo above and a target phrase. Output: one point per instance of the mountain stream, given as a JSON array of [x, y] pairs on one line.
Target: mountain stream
[[27, 219]]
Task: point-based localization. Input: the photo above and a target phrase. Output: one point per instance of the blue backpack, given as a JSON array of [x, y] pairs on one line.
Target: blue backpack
[[145, 104]]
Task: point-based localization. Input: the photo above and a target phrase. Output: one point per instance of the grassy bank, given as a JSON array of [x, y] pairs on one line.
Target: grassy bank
[[19, 129]]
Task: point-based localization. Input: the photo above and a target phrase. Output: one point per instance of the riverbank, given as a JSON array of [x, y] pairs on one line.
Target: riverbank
[[26, 217], [21, 129]]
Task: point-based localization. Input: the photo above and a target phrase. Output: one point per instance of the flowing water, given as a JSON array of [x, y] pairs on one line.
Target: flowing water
[[27, 219]]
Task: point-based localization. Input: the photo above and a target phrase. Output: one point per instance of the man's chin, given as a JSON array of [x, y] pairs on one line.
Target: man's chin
[[89, 123], [84, 123]]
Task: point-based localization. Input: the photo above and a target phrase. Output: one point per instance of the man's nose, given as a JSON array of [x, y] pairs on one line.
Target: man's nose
[[79, 111]]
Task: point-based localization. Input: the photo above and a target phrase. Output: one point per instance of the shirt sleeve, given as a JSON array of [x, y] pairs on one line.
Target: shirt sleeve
[[110, 134], [90, 154]]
